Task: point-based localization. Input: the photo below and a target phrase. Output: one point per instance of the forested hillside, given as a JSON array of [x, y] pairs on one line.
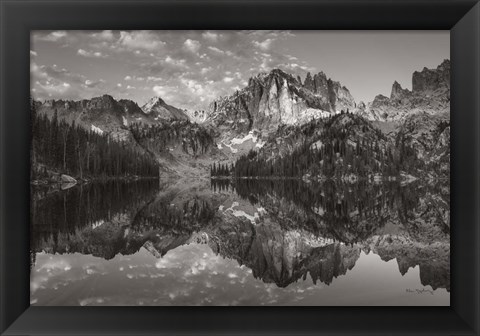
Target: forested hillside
[[59, 147], [162, 137], [341, 146]]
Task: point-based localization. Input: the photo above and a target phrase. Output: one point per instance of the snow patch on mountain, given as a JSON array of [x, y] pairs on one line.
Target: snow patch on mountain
[[96, 129], [233, 150], [250, 135]]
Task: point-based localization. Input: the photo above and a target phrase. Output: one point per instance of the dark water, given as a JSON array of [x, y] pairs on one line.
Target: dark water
[[243, 242]]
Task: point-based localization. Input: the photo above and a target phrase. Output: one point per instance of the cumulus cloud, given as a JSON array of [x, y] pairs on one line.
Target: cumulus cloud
[[214, 49], [53, 82], [160, 91], [140, 40], [153, 79], [188, 69], [53, 36], [91, 84], [176, 62], [106, 35], [210, 36], [265, 45], [203, 71], [191, 45], [87, 53]]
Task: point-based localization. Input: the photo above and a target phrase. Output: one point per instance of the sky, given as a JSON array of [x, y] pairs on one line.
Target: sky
[[189, 69]]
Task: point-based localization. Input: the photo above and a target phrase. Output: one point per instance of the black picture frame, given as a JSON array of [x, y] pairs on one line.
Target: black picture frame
[[18, 17]]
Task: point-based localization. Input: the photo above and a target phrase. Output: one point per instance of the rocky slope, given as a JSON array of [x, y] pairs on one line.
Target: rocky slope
[[429, 136], [180, 147], [197, 116], [430, 94], [275, 114], [159, 110], [105, 114], [100, 114], [161, 129], [276, 98]]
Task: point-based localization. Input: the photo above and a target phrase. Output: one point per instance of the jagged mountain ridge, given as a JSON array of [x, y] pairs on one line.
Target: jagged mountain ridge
[[101, 114], [430, 94], [275, 98], [252, 117], [111, 113]]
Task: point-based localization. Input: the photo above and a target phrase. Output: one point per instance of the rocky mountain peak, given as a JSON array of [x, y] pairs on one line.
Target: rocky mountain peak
[[277, 97], [444, 66], [130, 107], [309, 84], [103, 102], [157, 107], [430, 94], [398, 92], [429, 80], [154, 101]]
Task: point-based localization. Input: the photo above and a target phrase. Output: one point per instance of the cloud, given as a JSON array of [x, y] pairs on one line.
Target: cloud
[[210, 36], [214, 49], [33, 53], [193, 85], [86, 53], [49, 82], [92, 84], [53, 89], [265, 45], [140, 40], [192, 45], [203, 71], [160, 91], [105, 35], [55, 73], [186, 68], [54, 36], [153, 79], [176, 62]]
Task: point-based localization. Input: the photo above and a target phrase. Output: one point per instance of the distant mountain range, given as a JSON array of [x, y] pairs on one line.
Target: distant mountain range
[[430, 94], [256, 116]]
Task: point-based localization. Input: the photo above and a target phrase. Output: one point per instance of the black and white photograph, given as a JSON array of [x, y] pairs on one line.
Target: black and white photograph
[[240, 168]]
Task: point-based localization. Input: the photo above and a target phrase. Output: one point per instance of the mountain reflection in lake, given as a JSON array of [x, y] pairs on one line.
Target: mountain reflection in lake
[[241, 242]]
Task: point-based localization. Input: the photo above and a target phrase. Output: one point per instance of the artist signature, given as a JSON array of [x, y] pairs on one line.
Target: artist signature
[[419, 291]]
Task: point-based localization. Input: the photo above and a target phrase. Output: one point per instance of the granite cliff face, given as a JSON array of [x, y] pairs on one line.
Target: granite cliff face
[[276, 98], [432, 80]]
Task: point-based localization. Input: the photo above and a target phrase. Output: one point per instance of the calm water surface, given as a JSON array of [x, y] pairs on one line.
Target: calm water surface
[[244, 242]]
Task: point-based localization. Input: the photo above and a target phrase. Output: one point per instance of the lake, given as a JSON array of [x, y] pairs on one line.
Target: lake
[[241, 242]]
